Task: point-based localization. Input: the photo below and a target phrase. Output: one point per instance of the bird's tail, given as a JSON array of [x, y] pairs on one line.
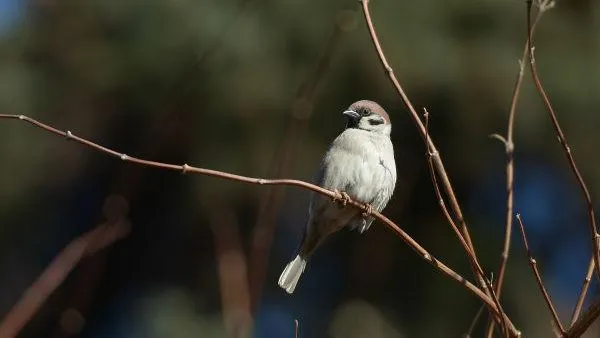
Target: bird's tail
[[291, 274]]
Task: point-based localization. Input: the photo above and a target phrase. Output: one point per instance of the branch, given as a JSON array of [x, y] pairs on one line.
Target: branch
[[439, 166], [584, 322], [469, 333], [54, 274], [472, 259], [543, 6], [184, 169], [509, 147], [583, 293], [538, 278]]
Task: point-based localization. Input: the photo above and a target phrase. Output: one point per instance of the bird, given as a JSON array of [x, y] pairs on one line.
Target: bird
[[358, 165]]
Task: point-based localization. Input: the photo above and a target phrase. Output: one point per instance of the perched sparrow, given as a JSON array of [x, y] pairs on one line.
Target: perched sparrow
[[359, 165]]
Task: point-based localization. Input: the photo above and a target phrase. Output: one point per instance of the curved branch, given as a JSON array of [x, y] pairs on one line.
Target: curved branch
[[184, 169], [543, 6], [445, 180]]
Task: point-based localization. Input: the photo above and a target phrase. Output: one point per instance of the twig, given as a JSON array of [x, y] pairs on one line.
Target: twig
[[538, 278], [437, 161], [469, 333], [54, 274], [296, 328], [543, 6], [583, 323], [415, 117], [472, 259], [583, 293], [509, 147], [184, 169]]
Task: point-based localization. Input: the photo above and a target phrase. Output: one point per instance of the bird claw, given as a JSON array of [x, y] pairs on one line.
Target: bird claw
[[368, 210], [341, 196]]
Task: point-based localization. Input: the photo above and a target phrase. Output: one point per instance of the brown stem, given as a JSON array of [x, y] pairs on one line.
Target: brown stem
[[472, 259], [439, 166], [584, 289], [544, 5], [424, 254], [54, 274], [510, 160], [415, 117], [469, 332], [583, 323], [538, 278]]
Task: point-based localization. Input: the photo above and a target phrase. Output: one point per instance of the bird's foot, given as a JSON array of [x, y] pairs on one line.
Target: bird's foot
[[368, 210], [341, 196]]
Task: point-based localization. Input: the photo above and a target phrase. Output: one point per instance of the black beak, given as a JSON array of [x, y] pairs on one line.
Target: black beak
[[351, 115]]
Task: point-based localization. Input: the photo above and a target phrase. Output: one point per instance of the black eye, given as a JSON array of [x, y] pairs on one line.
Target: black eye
[[365, 112]]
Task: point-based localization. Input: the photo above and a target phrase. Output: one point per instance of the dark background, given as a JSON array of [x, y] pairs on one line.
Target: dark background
[[256, 88]]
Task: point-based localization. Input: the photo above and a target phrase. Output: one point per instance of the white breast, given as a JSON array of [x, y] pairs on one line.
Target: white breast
[[362, 164]]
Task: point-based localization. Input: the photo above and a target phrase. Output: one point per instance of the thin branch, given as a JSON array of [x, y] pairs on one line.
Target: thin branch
[[184, 169], [417, 120], [469, 332], [544, 5], [438, 194], [584, 289], [437, 161], [296, 328], [509, 147], [54, 274], [538, 278], [583, 323]]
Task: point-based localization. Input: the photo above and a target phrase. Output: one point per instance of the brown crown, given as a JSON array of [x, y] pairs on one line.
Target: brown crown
[[372, 106]]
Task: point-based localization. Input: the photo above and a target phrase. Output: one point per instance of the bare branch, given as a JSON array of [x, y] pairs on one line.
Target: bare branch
[[538, 278], [583, 293], [439, 166], [54, 274], [543, 6], [184, 169], [469, 333], [509, 147], [583, 323]]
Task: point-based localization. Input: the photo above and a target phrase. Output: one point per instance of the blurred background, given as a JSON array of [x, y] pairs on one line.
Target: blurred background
[[256, 88]]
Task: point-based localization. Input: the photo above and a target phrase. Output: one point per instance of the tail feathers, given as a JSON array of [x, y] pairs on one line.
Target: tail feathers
[[291, 274]]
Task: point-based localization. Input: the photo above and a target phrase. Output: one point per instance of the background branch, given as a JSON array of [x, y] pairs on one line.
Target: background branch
[[544, 5], [509, 147], [538, 277], [56, 272]]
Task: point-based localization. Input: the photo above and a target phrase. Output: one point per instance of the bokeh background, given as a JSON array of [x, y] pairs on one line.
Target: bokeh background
[[256, 87]]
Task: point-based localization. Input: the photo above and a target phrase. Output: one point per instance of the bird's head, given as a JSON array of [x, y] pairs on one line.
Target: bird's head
[[368, 115]]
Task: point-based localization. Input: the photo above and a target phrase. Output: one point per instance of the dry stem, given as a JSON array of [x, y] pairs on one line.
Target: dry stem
[[439, 166], [583, 323], [509, 147], [584, 289], [538, 278], [184, 169], [54, 274], [543, 6]]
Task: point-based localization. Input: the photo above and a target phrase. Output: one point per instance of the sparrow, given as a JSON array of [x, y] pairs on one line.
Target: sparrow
[[359, 165]]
